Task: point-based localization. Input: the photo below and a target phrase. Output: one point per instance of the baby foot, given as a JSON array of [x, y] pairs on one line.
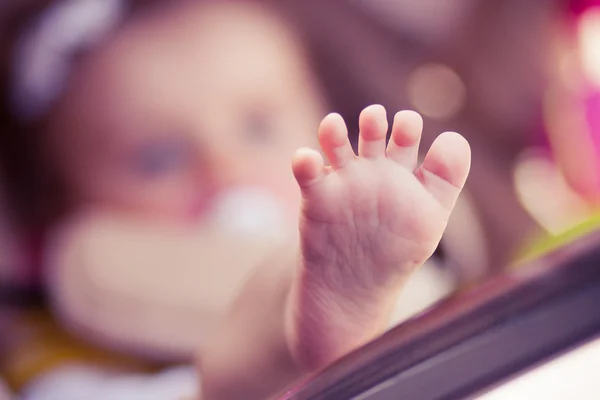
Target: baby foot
[[366, 223]]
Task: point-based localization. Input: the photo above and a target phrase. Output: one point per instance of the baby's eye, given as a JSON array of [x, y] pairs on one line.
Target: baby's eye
[[259, 127], [161, 157]]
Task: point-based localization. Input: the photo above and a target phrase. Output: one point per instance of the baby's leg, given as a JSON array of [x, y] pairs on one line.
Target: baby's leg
[[366, 223]]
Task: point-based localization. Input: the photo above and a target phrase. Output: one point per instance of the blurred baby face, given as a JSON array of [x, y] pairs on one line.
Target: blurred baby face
[[185, 106]]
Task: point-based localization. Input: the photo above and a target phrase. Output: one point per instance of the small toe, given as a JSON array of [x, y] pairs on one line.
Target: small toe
[[445, 168], [373, 126], [333, 137], [308, 167], [403, 146]]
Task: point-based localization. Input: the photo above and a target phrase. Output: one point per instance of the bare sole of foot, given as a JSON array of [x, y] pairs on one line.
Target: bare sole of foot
[[367, 221]]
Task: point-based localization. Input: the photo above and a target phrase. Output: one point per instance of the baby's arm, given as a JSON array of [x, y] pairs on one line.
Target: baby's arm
[[366, 223], [247, 357]]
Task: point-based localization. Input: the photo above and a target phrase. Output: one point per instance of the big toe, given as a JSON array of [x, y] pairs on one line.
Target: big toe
[[445, 168]]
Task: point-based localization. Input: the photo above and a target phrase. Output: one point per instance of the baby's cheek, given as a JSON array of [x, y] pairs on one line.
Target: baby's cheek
[[177, 201], [168, 204]]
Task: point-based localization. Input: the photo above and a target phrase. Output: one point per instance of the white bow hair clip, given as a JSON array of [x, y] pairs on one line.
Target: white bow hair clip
[[44, 53]]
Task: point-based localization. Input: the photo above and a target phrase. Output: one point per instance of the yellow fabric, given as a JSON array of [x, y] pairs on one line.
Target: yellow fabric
[[543, 245], [32, 343]]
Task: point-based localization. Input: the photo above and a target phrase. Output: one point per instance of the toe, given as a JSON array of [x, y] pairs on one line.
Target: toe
[[404, 141], [308, 167], [373, 128], [445, 168], [333, 137]]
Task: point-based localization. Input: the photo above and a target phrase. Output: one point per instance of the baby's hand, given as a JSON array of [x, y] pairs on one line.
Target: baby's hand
[[366, 223]]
